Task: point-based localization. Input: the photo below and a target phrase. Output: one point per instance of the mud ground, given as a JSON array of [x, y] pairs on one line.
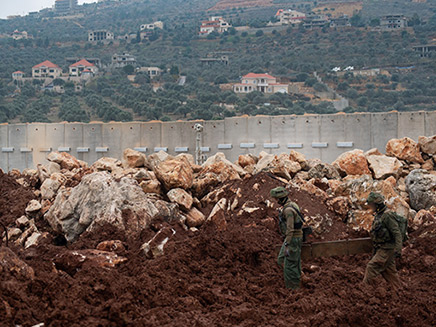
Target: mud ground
[[215, 278]]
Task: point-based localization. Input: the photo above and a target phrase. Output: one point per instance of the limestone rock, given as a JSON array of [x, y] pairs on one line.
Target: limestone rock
[[43, 172], [53, 168], [175, 173], [298, 157], [373, 152], [353, 163], [428, 165], [421, 187], [13, 233], [65, 160], [156, 158], [33, 240], [22, 222], [51, 185], [181, 197], [151, 186], [217, 215], [340, 205], [245, 160], [280, 165], [99, 200], [427, 144], [195, 218], [133, 159], [321, 170], [220, 157], [155, 247], [404, 149], [106, 163], [384, 166], [33, 207], [423, 217]]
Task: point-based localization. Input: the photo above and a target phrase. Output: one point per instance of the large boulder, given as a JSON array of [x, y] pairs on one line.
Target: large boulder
[[65, 160], [108, 164], [175, 173], [101, 200], [421, 186], [245, 160], [323, 170], [280, 165], [358, 189], [404, 149], [133, 159], [298, 157], [384, 166], [427, 144], [217, 169], [195, 218], [51, 186], [353, 163]]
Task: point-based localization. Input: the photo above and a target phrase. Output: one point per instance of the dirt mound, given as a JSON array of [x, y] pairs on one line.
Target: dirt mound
[[217, 278], [13, 199], [229, 4]]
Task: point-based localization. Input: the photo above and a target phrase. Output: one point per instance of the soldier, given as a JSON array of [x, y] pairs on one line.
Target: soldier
[[290, 225], [387, 241]]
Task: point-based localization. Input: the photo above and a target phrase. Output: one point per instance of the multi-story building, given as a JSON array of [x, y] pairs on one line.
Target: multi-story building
[[81, 66], [101, 35], [393, 22], [316, 21], [151, 71], [46, 69], [152, 26], [342, 21], [290, 17], [215, 24], [123, 60], [17, 35], [65, 6], [264, 83], [18, 75]]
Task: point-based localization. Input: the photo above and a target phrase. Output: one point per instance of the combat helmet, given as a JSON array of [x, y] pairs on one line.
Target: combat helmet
[[279, 192], [375, 198]]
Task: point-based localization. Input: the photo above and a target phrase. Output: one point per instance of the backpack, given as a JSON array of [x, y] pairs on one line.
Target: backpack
[[402, 225], [307, 230]]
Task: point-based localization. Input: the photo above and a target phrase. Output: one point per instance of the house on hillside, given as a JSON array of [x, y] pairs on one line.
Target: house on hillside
[[290, 17], [151, 71], [425, 50], [18, 75], [123, 60], [17, 35], [215, 24], [79, 67], [65, 6], [264, 83], [315, 21], [46, 69], [342, 21], [152, 26], [100, 35], [393, 22]]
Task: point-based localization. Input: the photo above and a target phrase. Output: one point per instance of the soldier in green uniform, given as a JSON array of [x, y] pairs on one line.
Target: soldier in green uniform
[[290, 225], [387, 241]]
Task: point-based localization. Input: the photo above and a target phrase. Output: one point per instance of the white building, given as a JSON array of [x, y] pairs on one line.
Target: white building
[[78, 68], [152, 26], [151, 71], [290, 17], [17, 35], [101, 35], [123, 60], [46, 69], [215, 24], [264, 83], [18, 75]]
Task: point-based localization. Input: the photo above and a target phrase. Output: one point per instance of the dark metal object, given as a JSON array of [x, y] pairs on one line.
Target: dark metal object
[[336, 248]]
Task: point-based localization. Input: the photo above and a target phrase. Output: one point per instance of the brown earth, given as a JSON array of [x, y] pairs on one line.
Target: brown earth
[[337, 9], [218, 278], [13, 199]]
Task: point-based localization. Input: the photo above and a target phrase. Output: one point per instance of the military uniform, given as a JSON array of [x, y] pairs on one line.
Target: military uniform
[[387, 242], [290, 253]]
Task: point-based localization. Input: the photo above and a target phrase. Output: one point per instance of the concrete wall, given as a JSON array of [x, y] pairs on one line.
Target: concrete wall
[[317, 136]]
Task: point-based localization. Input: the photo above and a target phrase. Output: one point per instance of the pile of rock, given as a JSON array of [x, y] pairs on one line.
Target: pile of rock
[[129, 193]]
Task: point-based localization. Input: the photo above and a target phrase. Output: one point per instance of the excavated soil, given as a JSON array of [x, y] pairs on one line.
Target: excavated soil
[[13, 199], [218, 278]]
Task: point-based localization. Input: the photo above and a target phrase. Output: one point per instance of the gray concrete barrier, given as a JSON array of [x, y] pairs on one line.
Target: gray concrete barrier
[[317, 136]]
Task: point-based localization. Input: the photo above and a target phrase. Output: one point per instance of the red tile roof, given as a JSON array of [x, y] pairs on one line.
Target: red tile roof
[[48, 64], [253, 75], [18, 72], [82, 62]]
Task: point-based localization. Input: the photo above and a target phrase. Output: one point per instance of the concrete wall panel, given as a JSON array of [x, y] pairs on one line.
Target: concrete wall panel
[[283, 133], [4, 143], [213, 135], [18, 139], [74, 139], [37, 142], [357, 129], [112, 134], [259, 132], [332, 130], [384, 126], [151, 136], [93, 138], [307, 131], [430, 123], [411, 124], [235, 133], [131, 136]]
